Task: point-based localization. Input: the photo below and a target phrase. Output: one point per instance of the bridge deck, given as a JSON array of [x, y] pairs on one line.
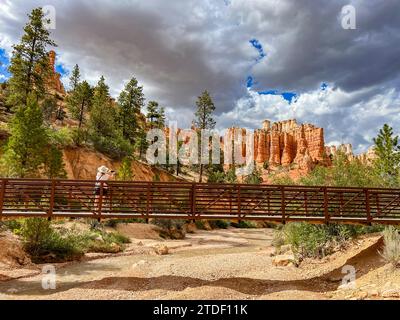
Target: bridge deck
[[192, 201]]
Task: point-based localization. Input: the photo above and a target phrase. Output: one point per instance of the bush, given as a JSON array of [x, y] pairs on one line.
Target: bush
[[244, 225], [308, 240], [44, 243], [112, 223], [391, 250], [115, 147], [219, 224], [171, 229]]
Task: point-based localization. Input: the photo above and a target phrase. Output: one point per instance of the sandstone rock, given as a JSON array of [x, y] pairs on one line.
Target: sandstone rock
[[191, 227], [392, 293], [161, 250], [54, 79], [285, 248], [373, 293], [283, 260]]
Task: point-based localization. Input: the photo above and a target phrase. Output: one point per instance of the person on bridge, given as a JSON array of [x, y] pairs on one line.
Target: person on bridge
[[103, 174]]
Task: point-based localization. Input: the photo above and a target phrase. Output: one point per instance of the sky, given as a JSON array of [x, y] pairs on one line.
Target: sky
[[259, 59]]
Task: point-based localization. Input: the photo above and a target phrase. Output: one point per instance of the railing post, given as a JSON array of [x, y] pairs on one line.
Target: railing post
[[239, 203], [193, 202], [283, 205], [52, 200], [2, 194], [368, 206], [100, 207], [326, 212], [148, 202]]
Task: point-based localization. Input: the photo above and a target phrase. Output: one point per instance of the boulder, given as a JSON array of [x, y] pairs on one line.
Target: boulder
[[283, 260]]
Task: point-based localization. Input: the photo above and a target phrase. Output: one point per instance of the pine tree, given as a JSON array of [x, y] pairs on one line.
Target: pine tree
[[125, 171], [102, 113], [30, 61], [25, 149], [131, 101], [54, 166], [204, 118], [75, 78], [155, 115], [387, 149], [79, 102]]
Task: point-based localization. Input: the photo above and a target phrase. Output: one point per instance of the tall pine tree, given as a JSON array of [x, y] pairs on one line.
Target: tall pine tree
[[204, 118], [387, 149], [30, 61], [102, 115], [131, 101], [24, 154], [75, 78], [79, 102]]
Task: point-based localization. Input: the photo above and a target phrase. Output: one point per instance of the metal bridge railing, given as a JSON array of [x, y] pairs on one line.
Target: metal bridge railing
[[192, 201]]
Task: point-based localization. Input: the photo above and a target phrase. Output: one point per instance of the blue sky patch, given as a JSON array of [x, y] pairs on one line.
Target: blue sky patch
[[324, 86], [4, 74], [61, 70], [288, 96], [258, 46]]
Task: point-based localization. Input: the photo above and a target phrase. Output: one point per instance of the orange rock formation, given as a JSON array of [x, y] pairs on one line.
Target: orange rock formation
[[286, 142]]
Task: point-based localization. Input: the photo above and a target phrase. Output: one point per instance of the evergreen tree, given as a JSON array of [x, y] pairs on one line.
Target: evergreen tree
[[130, 101], [75, 78], [255, 177], [25, 148], [155, 115], [79, 102], [102, 113], [125, 171], [30, 61], [54, 166], [387, 149], [204, 118], [49, 108]]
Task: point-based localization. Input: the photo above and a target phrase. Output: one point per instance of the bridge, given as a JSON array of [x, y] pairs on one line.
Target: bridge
[[193, 201]]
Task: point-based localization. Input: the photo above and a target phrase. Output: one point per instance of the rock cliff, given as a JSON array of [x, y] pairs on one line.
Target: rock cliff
[[287, 142], [54, 79]]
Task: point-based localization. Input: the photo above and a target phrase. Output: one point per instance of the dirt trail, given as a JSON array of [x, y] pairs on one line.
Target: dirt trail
[[221, 264]]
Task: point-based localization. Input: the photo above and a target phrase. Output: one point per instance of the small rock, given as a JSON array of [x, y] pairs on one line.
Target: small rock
[[161, 250], [283, 260], [285, 249], [363, 295], [392, 293], [140, 243], [191, 227], [373, 293]]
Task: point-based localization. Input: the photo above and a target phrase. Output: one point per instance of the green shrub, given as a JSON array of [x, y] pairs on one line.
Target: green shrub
[[219, 224], [391, 250], [244, 225], [171, 229], [115, 147], [200, 225], [14, 225], [44, 243], [112, 223]]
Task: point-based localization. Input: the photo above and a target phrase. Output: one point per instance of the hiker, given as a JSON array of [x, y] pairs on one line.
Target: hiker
[[103, 174]]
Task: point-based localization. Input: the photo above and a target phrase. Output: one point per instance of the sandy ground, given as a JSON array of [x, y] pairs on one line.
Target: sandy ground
[[219, 264]]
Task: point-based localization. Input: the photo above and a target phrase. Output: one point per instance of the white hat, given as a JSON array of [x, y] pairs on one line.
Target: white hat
[[103, 169]]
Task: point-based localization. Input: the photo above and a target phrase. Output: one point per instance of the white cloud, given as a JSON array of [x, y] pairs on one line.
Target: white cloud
[[346, 117]]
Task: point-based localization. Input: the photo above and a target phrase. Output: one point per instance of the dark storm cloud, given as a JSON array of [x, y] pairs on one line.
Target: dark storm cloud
[[177, 49]]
